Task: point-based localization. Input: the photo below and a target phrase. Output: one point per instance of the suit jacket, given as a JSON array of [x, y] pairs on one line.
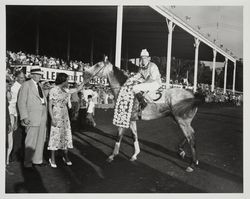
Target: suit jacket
[[30, 104]]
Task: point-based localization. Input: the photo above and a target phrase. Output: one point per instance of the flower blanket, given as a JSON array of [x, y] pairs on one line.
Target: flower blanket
[[125, 102]]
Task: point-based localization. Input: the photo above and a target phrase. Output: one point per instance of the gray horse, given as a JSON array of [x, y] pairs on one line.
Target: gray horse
[[179, 103]]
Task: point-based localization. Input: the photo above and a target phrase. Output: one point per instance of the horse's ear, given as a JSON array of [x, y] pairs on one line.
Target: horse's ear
[[105, 58]]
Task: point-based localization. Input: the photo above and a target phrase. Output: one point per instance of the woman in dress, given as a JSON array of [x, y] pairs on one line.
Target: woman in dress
[[60, 133]]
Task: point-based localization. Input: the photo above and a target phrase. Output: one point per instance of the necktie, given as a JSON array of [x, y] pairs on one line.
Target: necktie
[[40, 90]]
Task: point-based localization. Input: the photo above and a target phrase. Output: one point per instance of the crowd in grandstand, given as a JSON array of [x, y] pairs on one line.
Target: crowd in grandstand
[[21, 58]]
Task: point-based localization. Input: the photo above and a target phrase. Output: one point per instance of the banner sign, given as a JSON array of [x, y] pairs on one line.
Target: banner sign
[[74, 76]]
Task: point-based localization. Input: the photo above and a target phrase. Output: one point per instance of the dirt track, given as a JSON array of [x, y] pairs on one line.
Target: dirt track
[[219, 133]]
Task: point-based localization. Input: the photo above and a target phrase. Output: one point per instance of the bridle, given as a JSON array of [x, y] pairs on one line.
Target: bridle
[[95, 74]]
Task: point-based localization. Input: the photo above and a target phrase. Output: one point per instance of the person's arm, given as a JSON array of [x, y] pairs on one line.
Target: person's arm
[[53, 122], [80, 87], [154, 74], [22, 103], [13, 101], [13, 107], [51, 103]]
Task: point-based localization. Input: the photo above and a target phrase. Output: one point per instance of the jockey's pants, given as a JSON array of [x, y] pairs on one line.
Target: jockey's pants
[[152, 86]]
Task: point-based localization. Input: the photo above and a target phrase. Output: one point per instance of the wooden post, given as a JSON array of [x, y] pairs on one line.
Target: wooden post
[[225, 76], [92, 50], [68, 45], [196, 45], [213, 73], [234, 76], [168, 69]]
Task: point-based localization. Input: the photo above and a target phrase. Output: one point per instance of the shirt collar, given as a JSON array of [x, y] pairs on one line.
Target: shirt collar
[[34, 81]]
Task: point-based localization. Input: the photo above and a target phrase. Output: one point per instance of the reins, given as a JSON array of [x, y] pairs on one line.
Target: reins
[[92, 76], [95, 74]]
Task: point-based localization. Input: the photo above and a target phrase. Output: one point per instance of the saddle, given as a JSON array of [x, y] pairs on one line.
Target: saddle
[[142, 100]]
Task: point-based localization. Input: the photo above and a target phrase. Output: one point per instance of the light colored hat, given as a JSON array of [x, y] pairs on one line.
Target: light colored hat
[[144, 53], [36, 70]]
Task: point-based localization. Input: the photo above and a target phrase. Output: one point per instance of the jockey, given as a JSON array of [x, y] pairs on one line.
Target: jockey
[[150, 75]]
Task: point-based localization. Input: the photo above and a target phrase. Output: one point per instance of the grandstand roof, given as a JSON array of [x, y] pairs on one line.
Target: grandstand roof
[[143, 27]]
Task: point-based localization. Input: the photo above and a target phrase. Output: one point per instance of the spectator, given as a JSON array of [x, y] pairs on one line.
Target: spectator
[[8, 122], [60, 133], [91, 111], [32, 106], [20, 78], [88, 91], [75, 105]]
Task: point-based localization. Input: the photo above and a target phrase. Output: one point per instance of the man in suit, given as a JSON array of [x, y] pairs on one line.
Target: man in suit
[[32, 105]]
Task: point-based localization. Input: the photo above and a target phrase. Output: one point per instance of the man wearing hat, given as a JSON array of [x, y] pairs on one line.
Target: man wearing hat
[[150, 75], [32, 105]]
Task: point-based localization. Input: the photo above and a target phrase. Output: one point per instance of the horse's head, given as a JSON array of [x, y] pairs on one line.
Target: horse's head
[[100, 69]]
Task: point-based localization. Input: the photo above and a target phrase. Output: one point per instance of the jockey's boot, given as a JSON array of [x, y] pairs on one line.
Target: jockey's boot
[[141, 100]]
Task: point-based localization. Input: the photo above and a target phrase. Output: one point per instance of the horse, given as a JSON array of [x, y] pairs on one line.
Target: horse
[[179, 103]]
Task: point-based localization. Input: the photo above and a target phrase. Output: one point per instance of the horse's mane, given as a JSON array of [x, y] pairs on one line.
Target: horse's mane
[[119, 74]]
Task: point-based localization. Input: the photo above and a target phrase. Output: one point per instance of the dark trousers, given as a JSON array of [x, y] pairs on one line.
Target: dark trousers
[[17, 153], [81, 121]]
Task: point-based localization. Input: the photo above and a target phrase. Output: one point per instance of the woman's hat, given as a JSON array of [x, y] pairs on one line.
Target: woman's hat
[[36, 70]]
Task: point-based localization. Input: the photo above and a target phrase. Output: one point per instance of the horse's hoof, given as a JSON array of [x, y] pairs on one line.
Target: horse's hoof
[[182, 154], [132, 159], [192, 166], [189, 169], [109, 160]]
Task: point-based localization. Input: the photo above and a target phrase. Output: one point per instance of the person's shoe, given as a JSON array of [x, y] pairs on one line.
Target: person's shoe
[[69, 163], [53, 165], [141, 100], [40, 165]]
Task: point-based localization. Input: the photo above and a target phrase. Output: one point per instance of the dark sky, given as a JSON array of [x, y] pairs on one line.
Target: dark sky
[[55, 24]]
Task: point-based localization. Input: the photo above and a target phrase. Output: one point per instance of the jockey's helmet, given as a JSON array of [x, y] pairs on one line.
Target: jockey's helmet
[[144, 58], [144, 53]]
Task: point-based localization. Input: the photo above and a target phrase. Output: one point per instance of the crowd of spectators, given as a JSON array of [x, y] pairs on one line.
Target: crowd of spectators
[[21, 58], [216, 96], [104, 93]]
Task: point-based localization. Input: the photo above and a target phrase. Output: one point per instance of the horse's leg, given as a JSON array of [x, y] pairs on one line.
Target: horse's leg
[[181, 151], [188, 131], [117, 144], [133, 128]]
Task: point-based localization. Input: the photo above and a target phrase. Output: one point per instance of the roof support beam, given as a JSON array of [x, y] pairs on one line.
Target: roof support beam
[[92, 49], [225, 76], [213, 73], [68, 44], [37, 38], [196, 45], [119, 36], [170, 32], [166, 13]]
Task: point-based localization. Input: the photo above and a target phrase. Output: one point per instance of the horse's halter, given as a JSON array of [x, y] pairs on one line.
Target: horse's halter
[[92, 76]]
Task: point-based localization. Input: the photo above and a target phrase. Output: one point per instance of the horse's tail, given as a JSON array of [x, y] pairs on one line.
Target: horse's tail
[[184, 106]]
